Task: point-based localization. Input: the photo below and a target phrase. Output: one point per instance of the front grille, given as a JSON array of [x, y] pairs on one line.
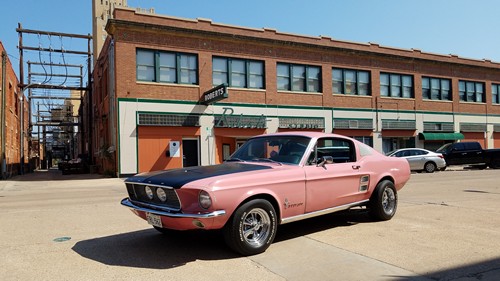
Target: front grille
[[137, 192]]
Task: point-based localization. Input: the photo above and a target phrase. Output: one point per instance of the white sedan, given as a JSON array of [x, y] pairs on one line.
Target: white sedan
[[421, 159]]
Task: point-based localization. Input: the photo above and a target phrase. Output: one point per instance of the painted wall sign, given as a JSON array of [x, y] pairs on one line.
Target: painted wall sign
[[301, 123], [229, 120], [215, 94]]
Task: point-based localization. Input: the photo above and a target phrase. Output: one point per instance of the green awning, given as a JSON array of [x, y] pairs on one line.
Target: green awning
[[441, 136]]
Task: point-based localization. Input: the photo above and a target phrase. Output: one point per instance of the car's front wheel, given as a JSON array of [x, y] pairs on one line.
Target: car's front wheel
[[252, 228], [384, 201]]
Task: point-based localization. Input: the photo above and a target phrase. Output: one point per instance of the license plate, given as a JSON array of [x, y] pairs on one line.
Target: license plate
[[154, 219]]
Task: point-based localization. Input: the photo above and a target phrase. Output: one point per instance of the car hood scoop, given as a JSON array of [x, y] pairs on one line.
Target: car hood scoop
[[176, 178]]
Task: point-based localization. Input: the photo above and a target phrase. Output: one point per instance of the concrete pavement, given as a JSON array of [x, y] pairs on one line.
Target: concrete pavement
[[72, 227]]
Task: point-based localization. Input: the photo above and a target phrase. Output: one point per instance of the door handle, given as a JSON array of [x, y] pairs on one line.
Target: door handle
[[356, 167]]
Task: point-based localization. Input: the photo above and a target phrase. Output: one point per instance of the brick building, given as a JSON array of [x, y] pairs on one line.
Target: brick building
[[150, 78], [11, 97]]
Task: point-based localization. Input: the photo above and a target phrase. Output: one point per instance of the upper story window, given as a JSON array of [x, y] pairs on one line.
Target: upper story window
[[471, 91], [351, 82], [436, 88], [166, 67], [495, 93], [396, 85], [298, 78], [238, 73]]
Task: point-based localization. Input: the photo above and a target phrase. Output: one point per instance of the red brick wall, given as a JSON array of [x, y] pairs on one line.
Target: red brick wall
[[267, 45]]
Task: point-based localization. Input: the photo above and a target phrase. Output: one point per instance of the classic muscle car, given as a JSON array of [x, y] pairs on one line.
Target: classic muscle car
[[272, 179]]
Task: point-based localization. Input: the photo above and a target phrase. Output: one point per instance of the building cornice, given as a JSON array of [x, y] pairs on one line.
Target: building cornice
[[127, 19]]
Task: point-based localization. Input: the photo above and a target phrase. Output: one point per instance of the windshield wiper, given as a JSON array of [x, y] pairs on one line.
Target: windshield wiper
[[234, 159], [267, 160]]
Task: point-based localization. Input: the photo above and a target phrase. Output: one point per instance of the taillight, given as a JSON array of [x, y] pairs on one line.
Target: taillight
[[441, 156]]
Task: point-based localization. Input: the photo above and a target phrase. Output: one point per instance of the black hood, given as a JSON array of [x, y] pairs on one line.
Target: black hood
[[176, 178]]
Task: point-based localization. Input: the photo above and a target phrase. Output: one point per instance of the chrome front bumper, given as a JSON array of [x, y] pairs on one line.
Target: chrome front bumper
[[127, 203]]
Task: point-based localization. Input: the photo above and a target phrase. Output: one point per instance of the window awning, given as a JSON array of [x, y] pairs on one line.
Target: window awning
[[441, 136]]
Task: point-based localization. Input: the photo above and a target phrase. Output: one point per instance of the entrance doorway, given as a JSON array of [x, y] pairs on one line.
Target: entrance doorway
[[190, 152]]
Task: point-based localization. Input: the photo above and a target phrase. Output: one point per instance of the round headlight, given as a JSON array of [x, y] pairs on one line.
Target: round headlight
[[149, 192], [161, 194], [204, 199]]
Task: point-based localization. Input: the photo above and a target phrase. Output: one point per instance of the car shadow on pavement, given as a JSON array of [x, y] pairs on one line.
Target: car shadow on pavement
[[151, 249], [321, 223]]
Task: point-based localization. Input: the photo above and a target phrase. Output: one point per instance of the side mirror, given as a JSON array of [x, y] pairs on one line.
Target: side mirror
[[324, 160]]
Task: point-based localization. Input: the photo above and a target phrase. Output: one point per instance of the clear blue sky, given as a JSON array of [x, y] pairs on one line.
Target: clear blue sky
[[468, 28]]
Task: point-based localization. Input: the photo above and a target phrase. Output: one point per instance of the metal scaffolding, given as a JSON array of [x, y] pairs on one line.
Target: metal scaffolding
[[55, 85]]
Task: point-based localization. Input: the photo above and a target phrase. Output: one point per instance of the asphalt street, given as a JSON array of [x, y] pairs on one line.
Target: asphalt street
[[72, 227]]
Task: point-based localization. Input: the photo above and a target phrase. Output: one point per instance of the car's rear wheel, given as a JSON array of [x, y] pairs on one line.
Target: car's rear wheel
[[252, 228], [384, 201], [430, 167]]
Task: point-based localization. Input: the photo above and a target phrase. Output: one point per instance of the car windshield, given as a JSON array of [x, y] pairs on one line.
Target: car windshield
[[282, 149], [391, 153], [443, 148]]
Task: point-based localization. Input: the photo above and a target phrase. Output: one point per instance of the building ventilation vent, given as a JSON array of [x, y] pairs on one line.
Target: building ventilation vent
[[496, 128], [472, 127], [301, 123], [438, 127], [353, 124], [398, 125], [173, 120], [363, 124]]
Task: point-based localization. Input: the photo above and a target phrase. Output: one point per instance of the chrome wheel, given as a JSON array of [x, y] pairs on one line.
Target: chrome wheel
[[384, 201], [252, 227], [388, 201], [255, 227]]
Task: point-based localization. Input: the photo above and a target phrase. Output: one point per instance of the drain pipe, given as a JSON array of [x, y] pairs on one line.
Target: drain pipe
[[2, 118]]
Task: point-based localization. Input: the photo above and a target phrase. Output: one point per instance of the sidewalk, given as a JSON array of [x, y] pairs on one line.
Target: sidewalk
[[45, 176]]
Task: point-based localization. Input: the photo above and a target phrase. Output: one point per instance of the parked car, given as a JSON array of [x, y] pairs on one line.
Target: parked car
[[464, 153], [421, 159], [272, 179]]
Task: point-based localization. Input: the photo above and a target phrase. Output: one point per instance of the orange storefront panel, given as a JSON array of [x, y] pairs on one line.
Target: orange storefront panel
[[154, 142], [475, 136], [496, 140]]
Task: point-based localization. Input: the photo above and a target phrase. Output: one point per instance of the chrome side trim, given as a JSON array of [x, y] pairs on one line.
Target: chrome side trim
[[127, 203], [323, 212]]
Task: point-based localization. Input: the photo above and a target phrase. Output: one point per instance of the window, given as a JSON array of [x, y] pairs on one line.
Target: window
[[298, 78], [341, 151], [436, 88], [351, 82], [470, 91], [166, 67], [495, 93], [238, 73], [366, 140], [396, 85]]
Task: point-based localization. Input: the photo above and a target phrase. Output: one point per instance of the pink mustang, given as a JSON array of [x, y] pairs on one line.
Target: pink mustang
[[272, 179]]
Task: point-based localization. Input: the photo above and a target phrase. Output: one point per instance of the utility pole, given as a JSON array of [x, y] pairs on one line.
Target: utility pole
[[2, 119]]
